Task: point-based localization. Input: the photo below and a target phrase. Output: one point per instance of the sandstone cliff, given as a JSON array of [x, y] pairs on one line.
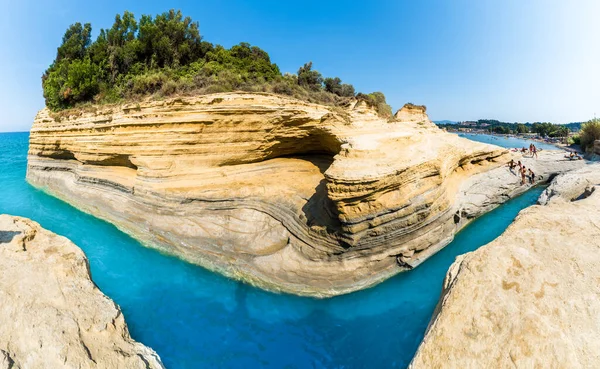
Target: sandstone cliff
[[531, 298], [52, 315], [288, 195]]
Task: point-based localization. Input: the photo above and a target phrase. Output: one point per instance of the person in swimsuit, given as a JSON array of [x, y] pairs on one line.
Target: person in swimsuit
[[531, 176], [511, 165]]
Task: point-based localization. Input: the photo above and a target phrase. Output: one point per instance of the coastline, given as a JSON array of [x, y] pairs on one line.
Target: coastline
[[558, 145]]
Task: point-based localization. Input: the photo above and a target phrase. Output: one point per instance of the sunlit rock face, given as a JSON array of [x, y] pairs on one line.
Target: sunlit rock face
[[284, 194], [413, 113], [52, 315], [531, 298]]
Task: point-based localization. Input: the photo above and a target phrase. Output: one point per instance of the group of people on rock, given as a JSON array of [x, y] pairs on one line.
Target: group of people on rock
[[573, 156], [533, 150], [526, 174]]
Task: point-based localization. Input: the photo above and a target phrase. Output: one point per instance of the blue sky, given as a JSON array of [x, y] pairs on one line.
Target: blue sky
[[536, 60]]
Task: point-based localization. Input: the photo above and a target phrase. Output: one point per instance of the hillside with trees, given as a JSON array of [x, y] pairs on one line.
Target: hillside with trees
[[166, 55], [543, 129]]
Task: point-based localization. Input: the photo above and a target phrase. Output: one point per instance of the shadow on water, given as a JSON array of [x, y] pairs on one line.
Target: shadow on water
[[197, 319]]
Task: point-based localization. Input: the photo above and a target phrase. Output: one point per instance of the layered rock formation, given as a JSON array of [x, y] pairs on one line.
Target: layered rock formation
[[412, 113], [288, 195], [531, 298], [52, 315]]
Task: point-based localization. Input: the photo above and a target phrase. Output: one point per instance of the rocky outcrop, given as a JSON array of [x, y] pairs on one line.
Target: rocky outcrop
[[412, 113], [531, 298], [52, 315], [288, 195], [574, 185]]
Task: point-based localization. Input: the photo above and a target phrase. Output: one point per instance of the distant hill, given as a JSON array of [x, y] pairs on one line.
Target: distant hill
[[545, 129], [575, 126], [444, 122]]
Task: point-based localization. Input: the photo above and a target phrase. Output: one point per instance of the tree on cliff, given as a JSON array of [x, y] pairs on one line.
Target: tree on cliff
[[166, 55], [310, 78], [335, 85]]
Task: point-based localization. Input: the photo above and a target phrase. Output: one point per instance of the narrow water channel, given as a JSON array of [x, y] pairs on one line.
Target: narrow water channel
[[197, 319]]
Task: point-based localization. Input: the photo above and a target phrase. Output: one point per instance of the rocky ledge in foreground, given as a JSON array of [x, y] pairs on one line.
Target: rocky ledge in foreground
[[531, 298], [51, 314], [287, 195]]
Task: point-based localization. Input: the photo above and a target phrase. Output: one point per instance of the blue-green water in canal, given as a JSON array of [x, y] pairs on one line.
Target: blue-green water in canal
[[197, 319]]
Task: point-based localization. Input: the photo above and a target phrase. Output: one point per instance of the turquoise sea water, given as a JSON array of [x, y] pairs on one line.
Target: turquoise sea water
[[508, 142], [197, 319]]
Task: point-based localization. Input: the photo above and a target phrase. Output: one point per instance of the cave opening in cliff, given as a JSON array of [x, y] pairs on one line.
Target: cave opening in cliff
[[317, 149], [120, 160]]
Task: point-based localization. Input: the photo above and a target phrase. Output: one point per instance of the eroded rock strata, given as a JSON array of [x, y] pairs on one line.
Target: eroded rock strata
[[52, 315], [288, 195], [531, 298]]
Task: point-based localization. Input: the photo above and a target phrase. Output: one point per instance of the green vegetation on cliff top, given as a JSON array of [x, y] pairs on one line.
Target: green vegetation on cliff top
[[166, 56], [590, 132]]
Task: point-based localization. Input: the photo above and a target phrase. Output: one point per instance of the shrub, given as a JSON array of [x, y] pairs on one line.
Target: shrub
[[283, 88], [377, 100], [574, 140], [589, 133], [148, 83], [169, 88]]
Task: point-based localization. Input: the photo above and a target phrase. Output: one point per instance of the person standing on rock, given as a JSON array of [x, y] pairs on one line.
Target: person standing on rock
[[534, 151], [523, 172], [531, 176]]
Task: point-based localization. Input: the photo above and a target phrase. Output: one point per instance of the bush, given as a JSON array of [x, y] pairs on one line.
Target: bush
[[377, 100], [283, 88], [169, 88], [574, 140], [147, 83], [589, 133]]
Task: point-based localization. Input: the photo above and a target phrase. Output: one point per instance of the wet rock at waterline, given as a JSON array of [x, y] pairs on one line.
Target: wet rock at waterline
[[531, 298], [52, 315], [284, 194]]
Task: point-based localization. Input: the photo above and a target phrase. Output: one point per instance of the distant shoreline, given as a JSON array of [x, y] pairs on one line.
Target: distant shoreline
[[559, 146]]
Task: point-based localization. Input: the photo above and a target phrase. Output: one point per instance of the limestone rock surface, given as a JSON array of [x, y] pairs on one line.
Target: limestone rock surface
[[284, 194], [51, 313], [531, 298], [412, 113]]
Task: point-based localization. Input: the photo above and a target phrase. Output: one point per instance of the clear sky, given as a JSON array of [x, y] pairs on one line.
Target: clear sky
[[512, 60]]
